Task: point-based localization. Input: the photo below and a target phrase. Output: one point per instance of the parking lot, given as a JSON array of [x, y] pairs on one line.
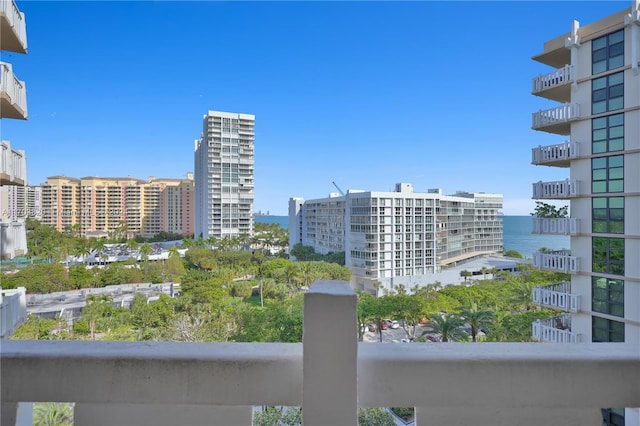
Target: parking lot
[[389, 335]]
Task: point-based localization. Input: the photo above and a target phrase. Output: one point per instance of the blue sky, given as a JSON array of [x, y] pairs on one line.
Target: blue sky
[[365, 94]]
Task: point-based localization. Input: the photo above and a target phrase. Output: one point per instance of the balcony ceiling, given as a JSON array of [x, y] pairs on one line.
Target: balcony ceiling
[[10, 110], [9, 39], [555, 58], [560, 93], [554, 163], [559, 128], [555, 53]]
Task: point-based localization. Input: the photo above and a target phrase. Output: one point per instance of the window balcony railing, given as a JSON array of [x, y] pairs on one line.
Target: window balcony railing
[[556, 120], [555, 84], [329, 375], [557, 261], [557, 296], [556, 190], [556, 226], [13, 94], [14, 28], [555, 155], [555, 330], [13, 165]]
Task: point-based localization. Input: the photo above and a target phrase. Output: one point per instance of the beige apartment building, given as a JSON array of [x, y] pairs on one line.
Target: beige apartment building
[[119, 206]]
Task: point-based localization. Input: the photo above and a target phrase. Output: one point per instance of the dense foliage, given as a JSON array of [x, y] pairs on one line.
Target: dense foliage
[[545, 210], [306, 253], [231, 294]]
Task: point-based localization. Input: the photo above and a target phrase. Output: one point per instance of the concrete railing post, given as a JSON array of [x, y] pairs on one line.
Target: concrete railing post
[[330, 355], [23, 305]]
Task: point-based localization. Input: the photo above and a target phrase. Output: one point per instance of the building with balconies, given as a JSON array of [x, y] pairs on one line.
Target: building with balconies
[[400, 237], [13, 104], [596, 77], [118, 205], [13, 38], [224, 175]]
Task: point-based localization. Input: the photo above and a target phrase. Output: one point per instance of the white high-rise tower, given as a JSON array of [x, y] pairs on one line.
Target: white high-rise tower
[[224, 158]]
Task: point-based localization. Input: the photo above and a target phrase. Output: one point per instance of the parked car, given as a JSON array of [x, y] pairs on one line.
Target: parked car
[[372, 327], [391, 323]]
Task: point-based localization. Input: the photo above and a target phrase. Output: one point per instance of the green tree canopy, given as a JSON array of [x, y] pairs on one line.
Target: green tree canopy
[[545, 210]]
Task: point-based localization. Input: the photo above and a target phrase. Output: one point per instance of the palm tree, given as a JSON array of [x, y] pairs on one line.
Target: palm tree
[[187, 242], [213, 242], [81, 249], [484, 271], [52, 414], [291, 274], [173, 252], [244, 240], [97, 244], [449, 327], [522, 295], [145, 251], [476, 318], [261, 273], [465, 274], [494, 272], [132, 244], [307, 274]]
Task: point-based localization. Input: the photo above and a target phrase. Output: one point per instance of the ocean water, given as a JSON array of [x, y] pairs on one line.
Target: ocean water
[[516, 234]]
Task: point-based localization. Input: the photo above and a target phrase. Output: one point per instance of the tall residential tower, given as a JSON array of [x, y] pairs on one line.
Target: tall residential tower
[[224, 158], [596, 80]]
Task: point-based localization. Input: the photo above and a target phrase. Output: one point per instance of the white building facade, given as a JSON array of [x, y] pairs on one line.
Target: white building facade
[[224, 175], [13, 104], [401, 237], [596, 78]]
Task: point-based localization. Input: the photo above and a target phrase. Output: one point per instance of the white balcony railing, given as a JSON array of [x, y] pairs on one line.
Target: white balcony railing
[[13, 168], [329, 375], [562, 114], [16, 92], [16, 42], [558, 153], [557, 296], [555, 78], [556, 190], [556, 226], [555, 330], [557, 261], [13, 310]]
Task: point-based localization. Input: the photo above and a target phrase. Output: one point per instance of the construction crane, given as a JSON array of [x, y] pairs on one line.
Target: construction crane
[[336, 185]]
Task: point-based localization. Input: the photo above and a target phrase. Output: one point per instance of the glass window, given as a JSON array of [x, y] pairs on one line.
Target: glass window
[[604, 330], [607, 174], [607, 296], [608, 255], [607, 93], [613, 417], [607, 134], [607, 53], [608, 215]]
